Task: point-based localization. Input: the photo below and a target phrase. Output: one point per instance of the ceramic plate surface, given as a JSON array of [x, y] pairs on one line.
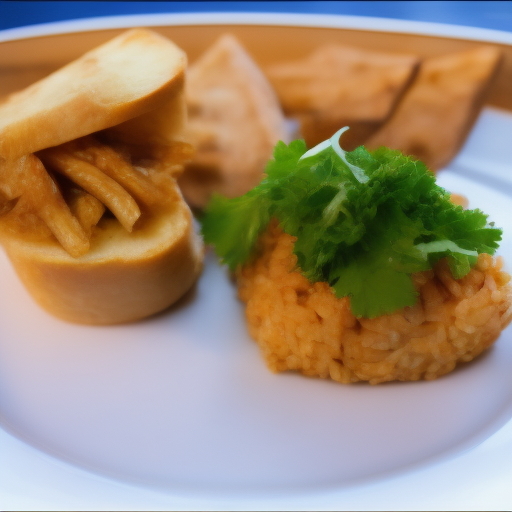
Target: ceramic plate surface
[[179, 411]]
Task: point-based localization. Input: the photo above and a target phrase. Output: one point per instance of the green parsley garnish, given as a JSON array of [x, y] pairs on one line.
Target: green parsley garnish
[[364, 222]]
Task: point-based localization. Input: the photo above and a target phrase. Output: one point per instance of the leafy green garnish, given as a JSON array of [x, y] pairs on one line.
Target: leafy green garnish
[[364, 222]]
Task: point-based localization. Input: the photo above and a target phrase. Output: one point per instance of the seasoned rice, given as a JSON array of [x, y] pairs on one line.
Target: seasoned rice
[[302, 326]]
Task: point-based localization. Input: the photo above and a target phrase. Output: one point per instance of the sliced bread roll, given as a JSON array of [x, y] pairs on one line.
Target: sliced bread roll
[[124, 276], [130, 90]]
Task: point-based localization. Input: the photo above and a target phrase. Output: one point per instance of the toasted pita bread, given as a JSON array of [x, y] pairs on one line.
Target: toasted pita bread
[[340, 85], [77, 263], [436, 113], [234, 122]]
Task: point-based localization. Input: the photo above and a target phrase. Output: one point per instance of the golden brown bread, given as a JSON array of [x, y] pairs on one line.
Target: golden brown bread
[[128, 76], [124, 276], [131, 90]]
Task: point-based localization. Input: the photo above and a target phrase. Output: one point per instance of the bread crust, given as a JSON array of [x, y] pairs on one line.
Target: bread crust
[[124, 277], [130, 75]]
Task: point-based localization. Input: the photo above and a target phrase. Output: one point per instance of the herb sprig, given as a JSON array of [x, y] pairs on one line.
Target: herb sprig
[[364, 222]]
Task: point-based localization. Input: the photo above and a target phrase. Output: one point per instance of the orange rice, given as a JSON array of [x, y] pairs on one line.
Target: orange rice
[[302, 326]]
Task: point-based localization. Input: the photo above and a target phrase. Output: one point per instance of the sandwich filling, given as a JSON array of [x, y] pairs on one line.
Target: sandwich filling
[[63, 193]]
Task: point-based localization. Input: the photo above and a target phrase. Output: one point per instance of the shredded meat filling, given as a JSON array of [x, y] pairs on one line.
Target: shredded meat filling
[[64, 191]]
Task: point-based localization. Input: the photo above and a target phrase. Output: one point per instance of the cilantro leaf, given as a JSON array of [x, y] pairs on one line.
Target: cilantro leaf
[[364, 222], [374, 289], [234, 225]]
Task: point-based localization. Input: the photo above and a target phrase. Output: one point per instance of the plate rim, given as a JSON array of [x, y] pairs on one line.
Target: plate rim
[[364, 23]]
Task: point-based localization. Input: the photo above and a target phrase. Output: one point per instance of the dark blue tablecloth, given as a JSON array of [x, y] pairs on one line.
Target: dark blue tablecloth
[[490, 14]]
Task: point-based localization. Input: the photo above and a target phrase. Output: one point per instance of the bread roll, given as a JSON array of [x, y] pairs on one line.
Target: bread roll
[[124, 276], [130, 89]]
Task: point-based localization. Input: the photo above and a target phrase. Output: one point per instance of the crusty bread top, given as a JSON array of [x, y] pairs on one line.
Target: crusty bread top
[[130, 75]]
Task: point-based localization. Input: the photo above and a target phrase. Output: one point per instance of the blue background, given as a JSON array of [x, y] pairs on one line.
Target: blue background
[[491, 14]]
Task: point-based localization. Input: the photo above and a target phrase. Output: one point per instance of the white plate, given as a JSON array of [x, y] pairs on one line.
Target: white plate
[[179, 411]]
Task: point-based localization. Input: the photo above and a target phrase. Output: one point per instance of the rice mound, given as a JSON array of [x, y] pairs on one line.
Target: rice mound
[[302, 326]]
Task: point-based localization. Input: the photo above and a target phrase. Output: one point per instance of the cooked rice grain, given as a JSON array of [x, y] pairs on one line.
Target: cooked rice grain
[[302, 326]]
